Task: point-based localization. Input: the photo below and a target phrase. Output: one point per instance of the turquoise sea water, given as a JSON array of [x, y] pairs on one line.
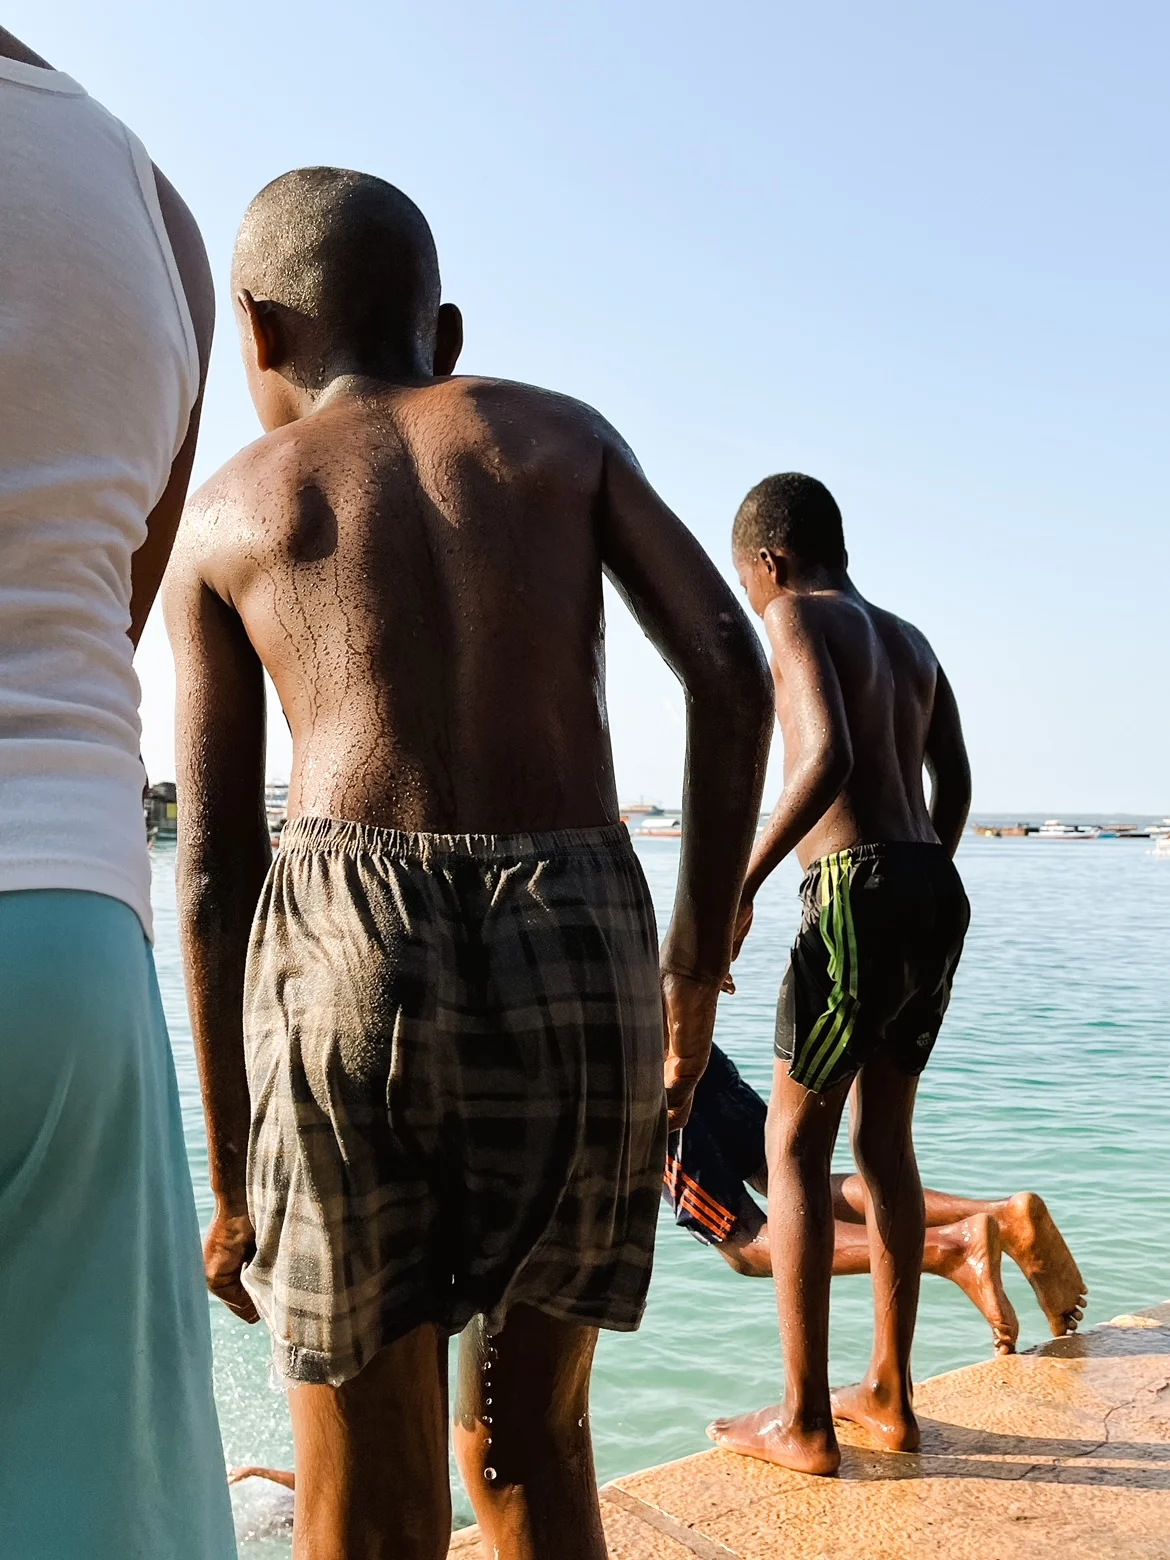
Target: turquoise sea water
[[1053, 1073]]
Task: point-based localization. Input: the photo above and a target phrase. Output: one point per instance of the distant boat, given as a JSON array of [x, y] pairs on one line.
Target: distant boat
[[1054, 829], [657, 827]]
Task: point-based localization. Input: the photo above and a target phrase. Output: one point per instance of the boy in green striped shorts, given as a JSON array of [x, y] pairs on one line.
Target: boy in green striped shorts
[[864, 707]]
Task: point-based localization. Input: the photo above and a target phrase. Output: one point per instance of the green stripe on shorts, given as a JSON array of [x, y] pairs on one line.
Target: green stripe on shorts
[[829, 1037]]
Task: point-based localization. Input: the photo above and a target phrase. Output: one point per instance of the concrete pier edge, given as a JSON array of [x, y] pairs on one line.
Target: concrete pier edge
[[1064, 1449]]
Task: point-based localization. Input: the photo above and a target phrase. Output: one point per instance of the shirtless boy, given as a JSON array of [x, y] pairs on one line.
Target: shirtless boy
[[449, 1016], [863, 705], [718, 1160]]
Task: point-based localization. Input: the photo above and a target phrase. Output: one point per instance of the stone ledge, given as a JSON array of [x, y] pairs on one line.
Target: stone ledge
[[1064, 1450]]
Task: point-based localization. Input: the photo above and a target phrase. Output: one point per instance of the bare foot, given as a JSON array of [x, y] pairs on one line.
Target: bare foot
[[972, 1258], [1030, 1237], [891, 1423], [769, 1435]]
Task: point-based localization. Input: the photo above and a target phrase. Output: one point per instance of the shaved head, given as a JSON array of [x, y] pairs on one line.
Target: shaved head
[[791, 513], [348, 260]]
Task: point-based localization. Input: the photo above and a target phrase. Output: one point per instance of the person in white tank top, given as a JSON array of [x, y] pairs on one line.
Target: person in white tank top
[[109, 1445]]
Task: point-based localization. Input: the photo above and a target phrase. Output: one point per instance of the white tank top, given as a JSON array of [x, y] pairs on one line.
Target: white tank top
[[99, 372]]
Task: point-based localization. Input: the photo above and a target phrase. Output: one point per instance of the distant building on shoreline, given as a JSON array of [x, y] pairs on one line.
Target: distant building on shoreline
[[160, 804]]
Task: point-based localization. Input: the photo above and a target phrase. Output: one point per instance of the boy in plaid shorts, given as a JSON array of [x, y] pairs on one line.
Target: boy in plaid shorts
[[431, 1031]]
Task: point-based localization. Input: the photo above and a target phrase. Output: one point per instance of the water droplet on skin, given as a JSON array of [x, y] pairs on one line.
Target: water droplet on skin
[[487, 1402], [487, 1419], [581, 1421], [490, 1475]]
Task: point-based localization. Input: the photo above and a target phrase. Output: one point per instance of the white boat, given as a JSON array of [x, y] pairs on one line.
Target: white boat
[[656, 828], [1162, 845], [1054, 829]]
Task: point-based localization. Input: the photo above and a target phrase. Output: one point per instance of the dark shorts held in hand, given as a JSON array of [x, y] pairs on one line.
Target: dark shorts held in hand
[[720, 1148], [872, 965]]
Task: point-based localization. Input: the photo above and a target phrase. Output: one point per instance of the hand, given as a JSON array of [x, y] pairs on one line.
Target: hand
[[688, 1012], [743, 925], [230, 1243]]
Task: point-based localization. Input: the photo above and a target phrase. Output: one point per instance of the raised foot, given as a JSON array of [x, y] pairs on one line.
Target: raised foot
[[976, 1264], [767, 1434], [1030, 1237], [892, 1425]]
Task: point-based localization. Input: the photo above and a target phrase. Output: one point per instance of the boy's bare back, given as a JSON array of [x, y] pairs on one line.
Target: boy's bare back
[[887, 680], [420, 571]]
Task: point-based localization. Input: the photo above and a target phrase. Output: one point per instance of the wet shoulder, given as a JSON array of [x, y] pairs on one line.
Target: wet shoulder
[[515, 429], [829, 615], [907, 648], [901, 636], [236, 513]]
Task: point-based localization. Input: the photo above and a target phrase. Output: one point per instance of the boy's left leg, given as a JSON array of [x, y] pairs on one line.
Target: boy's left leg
[[802, 1128], [883, 1147], [522, 1437], [371, 1458]]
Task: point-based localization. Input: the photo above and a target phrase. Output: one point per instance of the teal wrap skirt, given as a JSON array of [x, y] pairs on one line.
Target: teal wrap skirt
[[109, 1443]]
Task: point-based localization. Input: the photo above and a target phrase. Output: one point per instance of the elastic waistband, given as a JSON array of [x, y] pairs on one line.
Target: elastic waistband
[[881, 850], [318, 834]]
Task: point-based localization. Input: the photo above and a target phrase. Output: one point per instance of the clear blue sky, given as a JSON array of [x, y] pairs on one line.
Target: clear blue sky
[[918, 250]]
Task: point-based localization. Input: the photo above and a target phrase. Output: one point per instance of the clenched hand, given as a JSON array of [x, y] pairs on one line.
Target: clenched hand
[[230, 1243], [743, 925], [688, 1011]]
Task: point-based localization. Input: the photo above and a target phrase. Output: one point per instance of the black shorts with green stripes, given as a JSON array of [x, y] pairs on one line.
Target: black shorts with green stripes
[[872, 965]]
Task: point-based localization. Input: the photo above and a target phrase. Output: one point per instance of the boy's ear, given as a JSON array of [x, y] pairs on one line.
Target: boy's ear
[[448, 340], [776, 566], [262, 325]]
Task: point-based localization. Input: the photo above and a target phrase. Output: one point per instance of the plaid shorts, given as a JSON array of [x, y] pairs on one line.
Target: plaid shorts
[[454, 1048]]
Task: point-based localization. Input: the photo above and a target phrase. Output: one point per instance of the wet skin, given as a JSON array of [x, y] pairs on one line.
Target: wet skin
[[863, 706], [417, 562]]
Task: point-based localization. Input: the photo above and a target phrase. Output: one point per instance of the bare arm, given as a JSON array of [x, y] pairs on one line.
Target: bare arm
[[948, 767], [692, 619], [815, 725], [223, 855], [11, 48], [149, 562]]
